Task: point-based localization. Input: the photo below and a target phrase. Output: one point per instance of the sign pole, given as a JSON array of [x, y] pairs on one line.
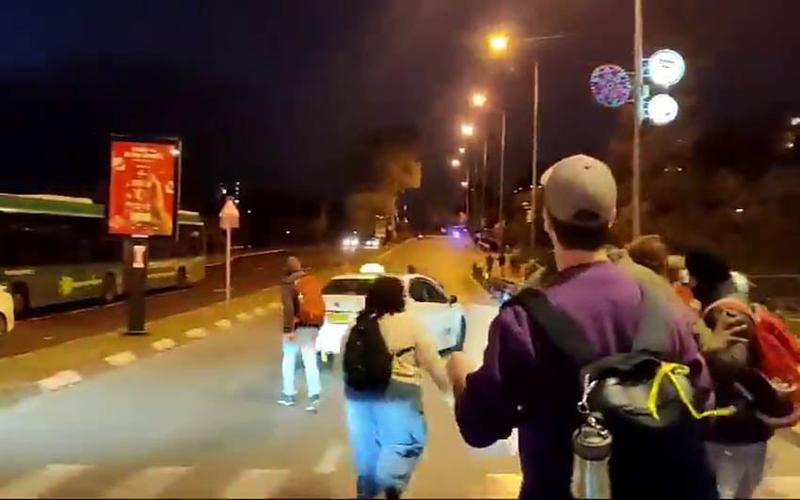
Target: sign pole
[[136, 283], [228, 264]]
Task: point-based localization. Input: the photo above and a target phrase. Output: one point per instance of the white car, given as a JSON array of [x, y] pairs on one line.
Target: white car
[[345, 295], [6, 311]]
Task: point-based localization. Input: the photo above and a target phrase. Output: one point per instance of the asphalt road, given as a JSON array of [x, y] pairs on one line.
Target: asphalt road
[[57, 325], [201, 421]]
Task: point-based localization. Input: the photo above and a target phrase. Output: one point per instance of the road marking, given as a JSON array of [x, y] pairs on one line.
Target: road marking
[[146, 483], [223, 324], [60, 380], [255, 483], [37, 484], [330, 459], [259, 311], [196, 333], [121, 358], [163, 344], [243, 316]]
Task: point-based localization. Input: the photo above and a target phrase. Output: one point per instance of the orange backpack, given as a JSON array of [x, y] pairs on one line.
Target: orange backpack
[[312, 306]]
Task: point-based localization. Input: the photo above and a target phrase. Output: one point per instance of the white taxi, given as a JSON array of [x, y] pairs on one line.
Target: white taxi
[[345, 295], [6, 311]]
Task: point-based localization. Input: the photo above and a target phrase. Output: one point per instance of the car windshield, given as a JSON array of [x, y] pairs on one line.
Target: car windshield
[[350, 286]]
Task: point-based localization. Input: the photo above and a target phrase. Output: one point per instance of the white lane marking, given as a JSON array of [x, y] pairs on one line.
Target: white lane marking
[[121, 358], [330, 459], [255, 483], [196, 333], [59, 380], [146, 483], [259, 311], [243, 316], [38, 483], [163, 344], [223, 324]]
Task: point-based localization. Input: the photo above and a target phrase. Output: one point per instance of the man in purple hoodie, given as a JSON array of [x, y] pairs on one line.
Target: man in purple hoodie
[[524, 382]]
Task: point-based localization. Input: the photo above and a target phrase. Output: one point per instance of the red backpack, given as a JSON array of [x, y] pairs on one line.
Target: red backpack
[[780, 350], [312, 306]]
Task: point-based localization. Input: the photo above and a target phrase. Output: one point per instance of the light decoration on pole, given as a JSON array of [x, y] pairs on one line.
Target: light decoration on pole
[[665, 68], [662, 109]]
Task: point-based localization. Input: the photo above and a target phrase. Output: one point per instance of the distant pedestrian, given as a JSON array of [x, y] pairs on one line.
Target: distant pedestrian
[[501, 263], [303, 315], [489, 264], [384, 356]]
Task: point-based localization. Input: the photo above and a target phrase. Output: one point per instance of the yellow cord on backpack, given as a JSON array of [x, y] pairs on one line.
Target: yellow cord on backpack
[[672, 370]]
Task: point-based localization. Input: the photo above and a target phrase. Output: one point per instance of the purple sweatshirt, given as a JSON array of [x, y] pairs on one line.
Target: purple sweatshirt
[[522, 384]]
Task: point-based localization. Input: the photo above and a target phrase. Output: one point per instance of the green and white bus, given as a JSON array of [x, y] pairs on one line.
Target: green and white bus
[[56, 249]]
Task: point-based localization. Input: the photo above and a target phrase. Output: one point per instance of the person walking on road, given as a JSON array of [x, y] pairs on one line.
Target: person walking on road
[[303, 315], [384, 356], [530, 381]]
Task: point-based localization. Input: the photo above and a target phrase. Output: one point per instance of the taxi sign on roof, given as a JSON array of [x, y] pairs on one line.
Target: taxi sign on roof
[[372, 268]]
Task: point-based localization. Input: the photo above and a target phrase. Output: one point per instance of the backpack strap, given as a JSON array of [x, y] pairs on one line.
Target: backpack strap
[[563, 331]]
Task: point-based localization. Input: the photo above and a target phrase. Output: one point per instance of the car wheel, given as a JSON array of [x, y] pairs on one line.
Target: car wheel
[[182, 279], [326, 360], [109, 290], [462, 336], [19, 294]]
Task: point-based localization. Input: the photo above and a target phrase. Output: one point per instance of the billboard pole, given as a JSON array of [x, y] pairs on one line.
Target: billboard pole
[[137, 259]]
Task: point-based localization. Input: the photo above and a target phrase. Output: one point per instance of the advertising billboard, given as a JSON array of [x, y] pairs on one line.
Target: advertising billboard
[[143, 188]]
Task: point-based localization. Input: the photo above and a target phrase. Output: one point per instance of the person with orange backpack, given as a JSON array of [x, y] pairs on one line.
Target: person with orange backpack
[[303, 315]]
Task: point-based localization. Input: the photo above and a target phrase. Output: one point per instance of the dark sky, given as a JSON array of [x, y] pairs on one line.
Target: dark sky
[[275, 91]]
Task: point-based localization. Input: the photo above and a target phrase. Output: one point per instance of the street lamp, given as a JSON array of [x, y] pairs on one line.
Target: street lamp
[[455, 163], [464, 184], [498, 43], [462, 150], [478, 99], [467, 129]]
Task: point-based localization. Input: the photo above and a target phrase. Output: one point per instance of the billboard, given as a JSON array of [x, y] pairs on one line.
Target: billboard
[[143, 188]]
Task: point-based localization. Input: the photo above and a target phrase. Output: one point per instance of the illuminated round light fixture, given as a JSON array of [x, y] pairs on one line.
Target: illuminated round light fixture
[[666, 68], [662, 109]]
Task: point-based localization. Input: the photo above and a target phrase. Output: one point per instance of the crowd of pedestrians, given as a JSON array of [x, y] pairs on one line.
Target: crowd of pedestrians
[[655, 366]]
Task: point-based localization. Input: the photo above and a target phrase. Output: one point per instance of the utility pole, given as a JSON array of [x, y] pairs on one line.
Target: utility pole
[[535, 152], [484, 179], [638, 54], [500, 213]]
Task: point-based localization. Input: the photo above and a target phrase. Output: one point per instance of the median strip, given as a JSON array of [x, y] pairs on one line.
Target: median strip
[[121, 358]]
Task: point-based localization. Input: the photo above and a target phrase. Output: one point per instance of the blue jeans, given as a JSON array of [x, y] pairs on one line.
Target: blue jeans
[[388, 437], [740, 468], [304, 341]]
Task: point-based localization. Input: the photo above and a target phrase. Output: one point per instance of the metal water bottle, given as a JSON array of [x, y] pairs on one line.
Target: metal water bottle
[[592, 446]]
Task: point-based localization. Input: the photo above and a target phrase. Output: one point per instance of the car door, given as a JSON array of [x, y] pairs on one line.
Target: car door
[[433, 308]]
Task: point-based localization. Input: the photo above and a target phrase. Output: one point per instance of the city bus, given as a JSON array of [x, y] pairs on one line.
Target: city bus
[[56, 249]]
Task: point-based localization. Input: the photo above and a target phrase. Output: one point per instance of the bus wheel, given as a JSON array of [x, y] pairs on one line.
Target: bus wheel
[[182, 280], [109, 290], [19, 294]]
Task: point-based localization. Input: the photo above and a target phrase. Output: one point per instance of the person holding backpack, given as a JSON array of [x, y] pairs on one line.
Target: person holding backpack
[[738, 445], [384, 356], [591, 364], [303, 315]]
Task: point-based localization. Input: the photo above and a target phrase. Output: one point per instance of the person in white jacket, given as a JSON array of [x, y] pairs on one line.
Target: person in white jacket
[[387, 428]]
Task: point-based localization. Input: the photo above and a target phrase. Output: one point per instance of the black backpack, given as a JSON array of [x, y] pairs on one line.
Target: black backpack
[[367, 361], [650, 456]]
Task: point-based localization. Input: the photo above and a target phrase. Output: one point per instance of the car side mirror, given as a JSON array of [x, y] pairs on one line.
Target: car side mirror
[[453, 299]]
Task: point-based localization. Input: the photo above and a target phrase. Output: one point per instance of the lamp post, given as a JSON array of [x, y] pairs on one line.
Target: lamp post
[[480, 100], [638, 54], [467, 131]]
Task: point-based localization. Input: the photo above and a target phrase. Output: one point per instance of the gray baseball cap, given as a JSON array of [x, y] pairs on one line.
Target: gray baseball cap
[[580, 190]]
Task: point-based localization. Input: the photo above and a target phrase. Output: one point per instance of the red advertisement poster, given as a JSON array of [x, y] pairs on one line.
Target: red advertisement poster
[[142, 189]]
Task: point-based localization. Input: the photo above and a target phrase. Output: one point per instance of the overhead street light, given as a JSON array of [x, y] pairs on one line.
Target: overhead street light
[[462, 150], [467, 129], [478, 99], [464, 184], [455, 163], [498, 43]]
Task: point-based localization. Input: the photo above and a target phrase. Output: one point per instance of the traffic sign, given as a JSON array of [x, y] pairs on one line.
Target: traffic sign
[[229, 215], [666, 67]]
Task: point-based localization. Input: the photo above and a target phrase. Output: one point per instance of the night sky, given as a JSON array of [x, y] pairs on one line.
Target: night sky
[[274, 92]]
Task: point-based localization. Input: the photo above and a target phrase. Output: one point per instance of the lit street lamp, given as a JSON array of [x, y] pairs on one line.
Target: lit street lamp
[[467, 129], [464, 184], [462, 150], [498, 43], [455, 163], [478, 100]]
